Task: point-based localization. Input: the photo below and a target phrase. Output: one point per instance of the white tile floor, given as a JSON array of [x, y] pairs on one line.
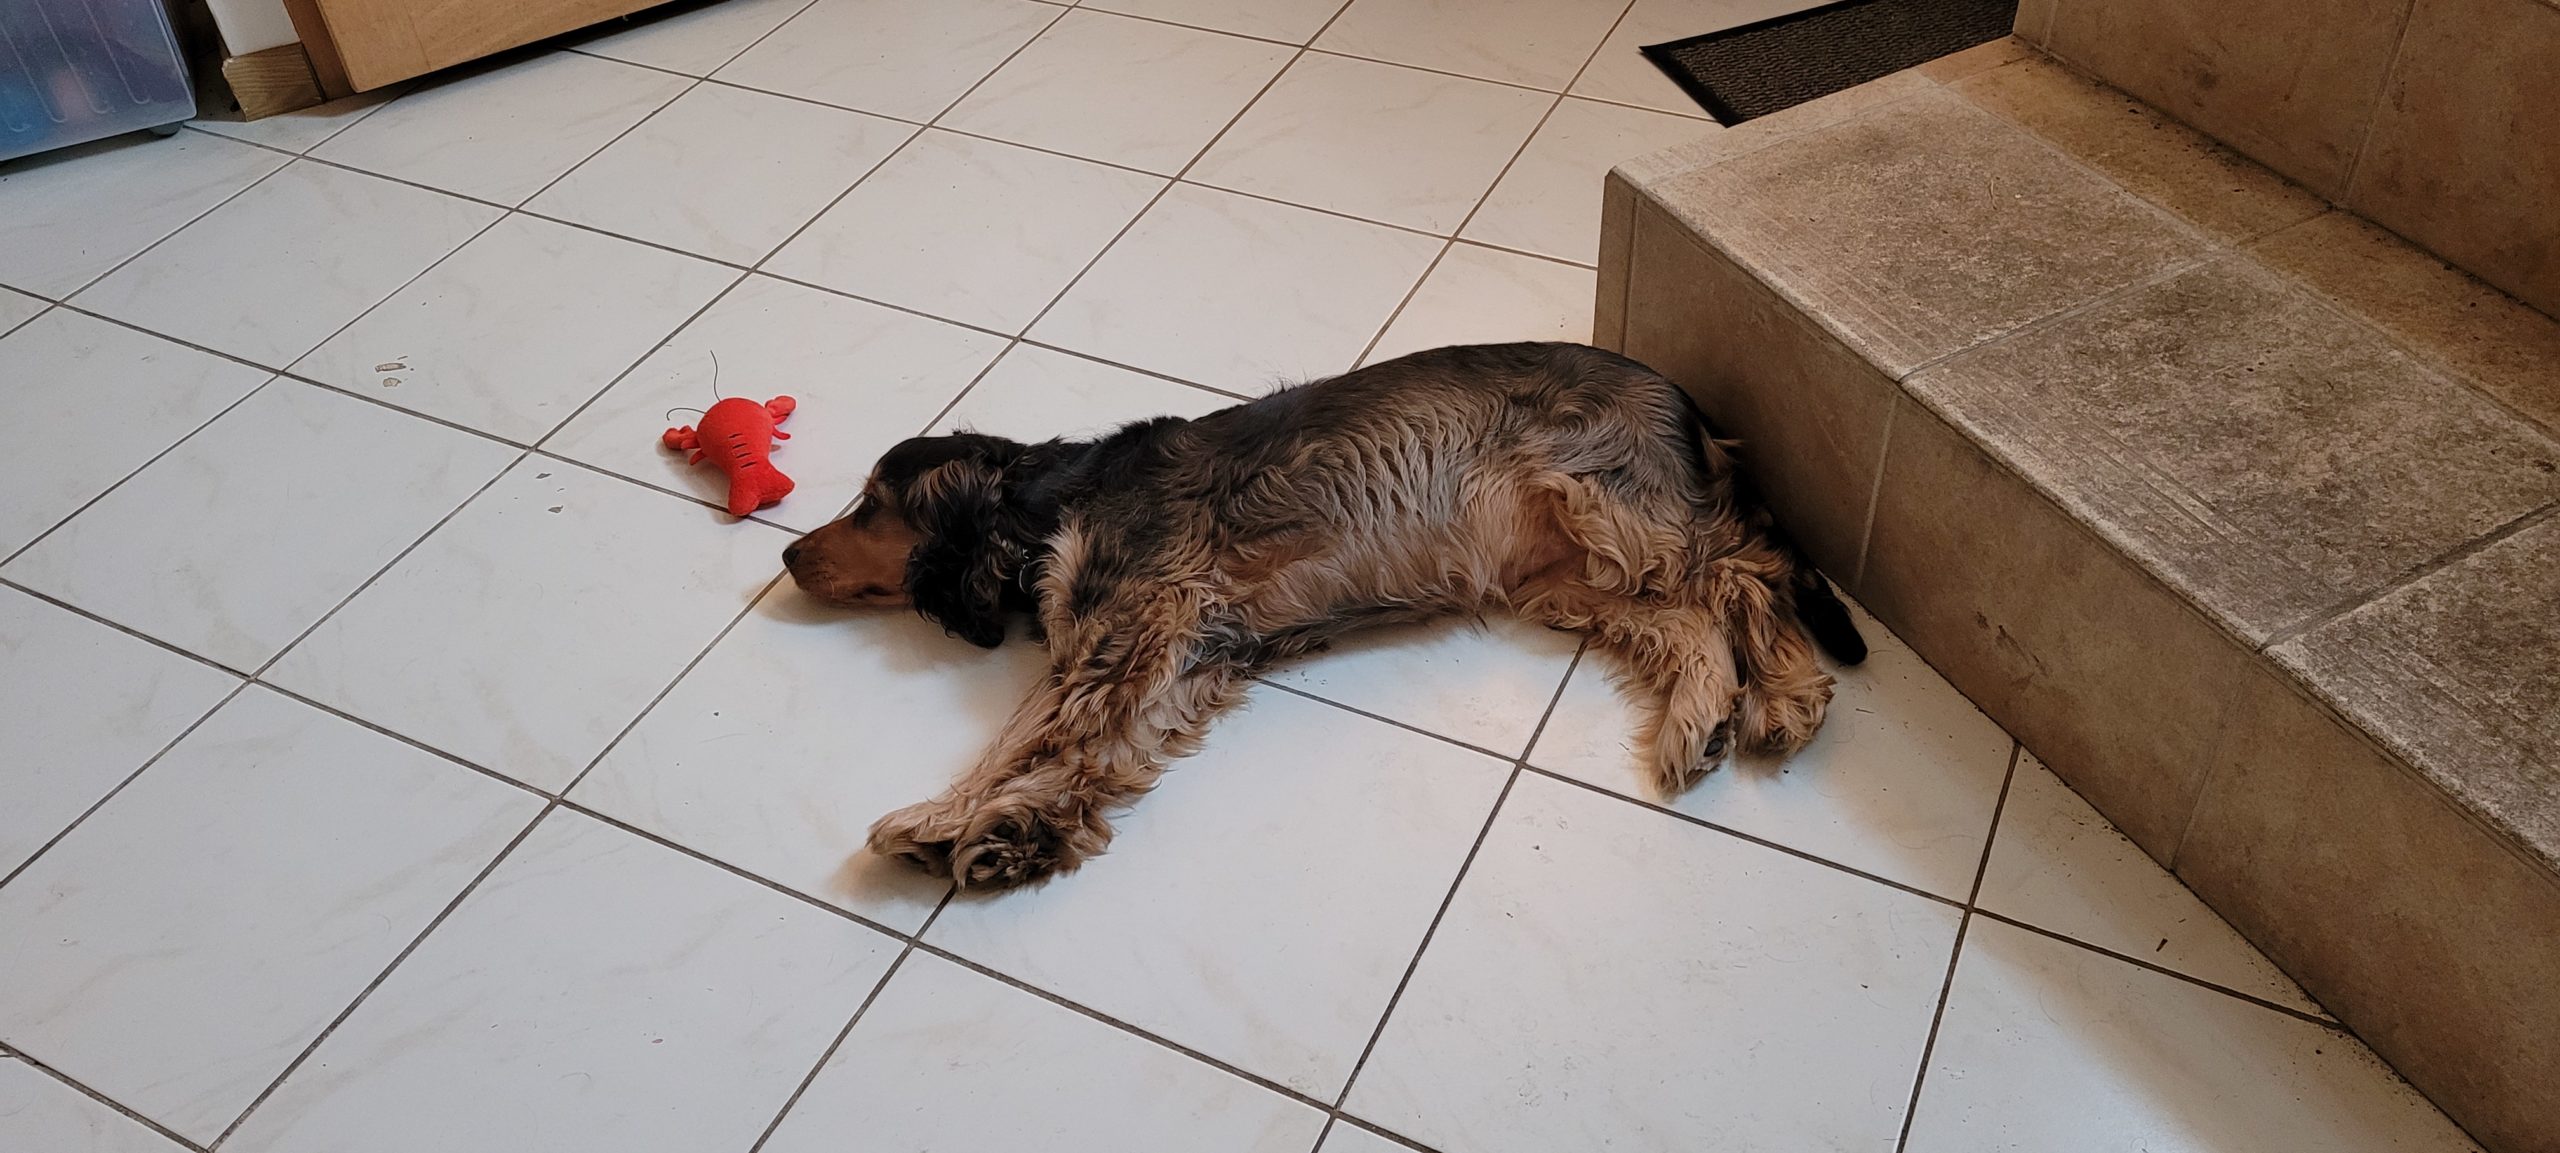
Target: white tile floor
[[398, 752]]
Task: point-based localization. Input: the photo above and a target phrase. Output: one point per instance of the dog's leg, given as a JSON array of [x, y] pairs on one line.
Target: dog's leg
[[1784, 690], [1678, 660], [1122, 697]]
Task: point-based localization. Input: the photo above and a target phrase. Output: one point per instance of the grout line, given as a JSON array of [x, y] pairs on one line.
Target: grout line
[[1308, 45], [818, 903], [2373, 109], [191, 222], [2165, 971], [395, 735], [829, 1054], [1132, 223], [743, 612], [1398, 1140], [120, 482], [1371, 348], [361, 997], [1955, 953], [936, 126], [2421, 571], [12, 584], [101, 1098], [1493, 813], [1163, 376], [32, 317], [1086, 1011], [1355, 710], [2212, 255], [2427, 359], [1875, 489], [1763, 842], [912, 137], [120, 786]]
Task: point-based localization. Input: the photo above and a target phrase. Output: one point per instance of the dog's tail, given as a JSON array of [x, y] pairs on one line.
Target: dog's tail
[[1822, 614], [1817, 607]]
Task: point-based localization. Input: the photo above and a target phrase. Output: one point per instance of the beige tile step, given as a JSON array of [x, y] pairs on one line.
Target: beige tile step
[[2238, 511]]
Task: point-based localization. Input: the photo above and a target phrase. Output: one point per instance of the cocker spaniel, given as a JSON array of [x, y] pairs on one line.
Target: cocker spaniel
[[1167, 562]]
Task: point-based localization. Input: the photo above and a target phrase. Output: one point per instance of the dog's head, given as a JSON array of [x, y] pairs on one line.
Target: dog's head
[[930, 531]]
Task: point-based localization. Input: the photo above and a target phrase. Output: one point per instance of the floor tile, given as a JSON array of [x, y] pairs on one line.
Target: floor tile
[[1121, 91], [1349, 1138], [1620, 73], [92, 402], [1296, 21], [499, 131], [980, 232], [76, 213], [2049, 1046], [2056, 864], [724, 172], [866, 378], [1549, 201], [515, 331], [183, 945], [538, 622], [304, 129], [1540, 43], [1609, 970], [1166, 296], [1391, 144], [17, 308], [597, 990], [802, 727], [695, 38], [1481, 296], [38, 1112], [949, 1059], [297, 257], [1487, 684], [905, 58], [87, 706], [1346, 834], [1901, 782], [253, 529], [1037, 393]]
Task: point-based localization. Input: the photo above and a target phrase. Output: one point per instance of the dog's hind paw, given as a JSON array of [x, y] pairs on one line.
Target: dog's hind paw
[[1012, 851], [992, 845]]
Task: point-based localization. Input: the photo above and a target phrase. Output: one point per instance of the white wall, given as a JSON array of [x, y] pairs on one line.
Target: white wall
[[249, 25]]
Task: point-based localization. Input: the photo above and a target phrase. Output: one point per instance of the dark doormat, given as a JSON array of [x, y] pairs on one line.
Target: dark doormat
[[1757, 69]]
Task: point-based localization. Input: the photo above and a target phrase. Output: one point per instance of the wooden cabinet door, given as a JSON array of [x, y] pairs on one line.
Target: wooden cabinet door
[[361, 44]]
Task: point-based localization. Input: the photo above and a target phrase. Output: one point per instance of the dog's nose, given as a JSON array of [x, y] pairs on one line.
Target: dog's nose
[[791, 553]]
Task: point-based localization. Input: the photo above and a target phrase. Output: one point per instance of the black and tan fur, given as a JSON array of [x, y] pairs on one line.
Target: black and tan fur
[[1168, 561]]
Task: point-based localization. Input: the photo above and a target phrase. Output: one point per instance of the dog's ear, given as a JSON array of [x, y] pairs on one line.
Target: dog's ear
[[956, 574]]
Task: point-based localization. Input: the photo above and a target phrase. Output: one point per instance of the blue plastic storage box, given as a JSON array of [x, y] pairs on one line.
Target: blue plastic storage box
[[76, 70]]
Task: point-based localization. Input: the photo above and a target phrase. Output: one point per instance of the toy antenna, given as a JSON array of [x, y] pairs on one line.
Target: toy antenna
[[715, 391]]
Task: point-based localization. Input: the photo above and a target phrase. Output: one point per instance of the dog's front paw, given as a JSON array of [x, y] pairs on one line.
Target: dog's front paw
[[1011, 850], [1682, 758], [921, 835]]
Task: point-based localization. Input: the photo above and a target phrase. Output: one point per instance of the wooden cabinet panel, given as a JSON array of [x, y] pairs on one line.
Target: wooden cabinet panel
[[371, 43]]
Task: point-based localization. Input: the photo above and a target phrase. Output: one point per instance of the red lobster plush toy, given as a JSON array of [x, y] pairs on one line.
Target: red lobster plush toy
[[737, 434]]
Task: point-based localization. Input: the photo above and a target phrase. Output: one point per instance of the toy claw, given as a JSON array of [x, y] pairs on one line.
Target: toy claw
[[737, 435]]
